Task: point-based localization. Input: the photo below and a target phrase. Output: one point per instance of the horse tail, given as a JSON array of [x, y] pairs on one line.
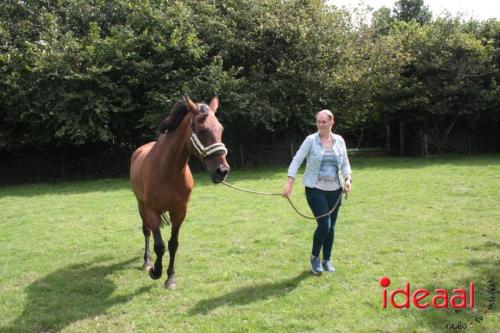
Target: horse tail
[[165, 219]]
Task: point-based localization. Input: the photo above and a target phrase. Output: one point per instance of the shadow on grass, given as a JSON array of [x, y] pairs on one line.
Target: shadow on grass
[[485, 277], [251, 294], [68, 295], [489, 245]]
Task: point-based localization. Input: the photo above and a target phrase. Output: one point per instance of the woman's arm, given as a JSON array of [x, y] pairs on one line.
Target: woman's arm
[[346, 167], [287, 190], [297, 161], [299, 157]]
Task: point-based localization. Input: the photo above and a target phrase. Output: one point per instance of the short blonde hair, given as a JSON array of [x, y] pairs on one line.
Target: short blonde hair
[[327, 112]]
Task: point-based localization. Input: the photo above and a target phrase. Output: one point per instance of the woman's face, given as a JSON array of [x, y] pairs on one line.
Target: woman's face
[[323, 122]]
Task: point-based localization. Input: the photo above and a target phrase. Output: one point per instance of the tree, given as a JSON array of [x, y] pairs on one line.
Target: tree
[[441, 82], [383, 21], [408, 10], [104, 73]]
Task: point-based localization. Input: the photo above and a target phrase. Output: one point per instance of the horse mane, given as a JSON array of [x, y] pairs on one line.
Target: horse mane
[[175, 117], [177, 114]]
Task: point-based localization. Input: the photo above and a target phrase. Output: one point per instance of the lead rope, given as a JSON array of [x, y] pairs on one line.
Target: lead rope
[[289, 201]]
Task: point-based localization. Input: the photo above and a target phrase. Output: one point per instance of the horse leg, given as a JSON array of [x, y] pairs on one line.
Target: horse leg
[[159, 247], [147, 253], [173, 244], [147, 234]]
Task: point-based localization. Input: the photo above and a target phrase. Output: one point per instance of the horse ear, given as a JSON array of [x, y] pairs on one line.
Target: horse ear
[[214, 104], [190, 104]]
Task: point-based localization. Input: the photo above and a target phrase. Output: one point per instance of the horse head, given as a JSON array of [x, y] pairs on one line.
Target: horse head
[[206, 138]]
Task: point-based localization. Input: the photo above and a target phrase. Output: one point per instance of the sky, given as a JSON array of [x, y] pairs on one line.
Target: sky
[[479, 9]]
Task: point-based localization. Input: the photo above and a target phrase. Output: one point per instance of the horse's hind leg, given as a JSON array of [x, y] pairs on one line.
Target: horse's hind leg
[[147, 253], [147, 234], [153, 222], [159, 246]]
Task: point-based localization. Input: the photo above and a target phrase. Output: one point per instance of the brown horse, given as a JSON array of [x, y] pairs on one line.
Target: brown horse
[[161, 178]]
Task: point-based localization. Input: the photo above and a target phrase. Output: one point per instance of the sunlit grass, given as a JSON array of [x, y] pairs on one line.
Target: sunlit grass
[[71, 253]]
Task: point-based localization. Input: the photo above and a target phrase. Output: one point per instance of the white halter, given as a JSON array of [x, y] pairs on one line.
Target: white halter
[[207, 151]]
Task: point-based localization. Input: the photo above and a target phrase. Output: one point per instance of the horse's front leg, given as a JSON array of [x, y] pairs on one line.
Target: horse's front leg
[[173, 244]]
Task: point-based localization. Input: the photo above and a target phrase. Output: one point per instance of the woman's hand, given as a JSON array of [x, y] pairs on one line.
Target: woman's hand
[[347, 185], [288, 188]]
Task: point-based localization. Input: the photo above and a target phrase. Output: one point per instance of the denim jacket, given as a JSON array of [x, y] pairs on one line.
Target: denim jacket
[[312, 150]]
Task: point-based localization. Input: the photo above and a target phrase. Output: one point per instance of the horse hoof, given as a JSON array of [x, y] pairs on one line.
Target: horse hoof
[[170, 284], [153, 274], [147, 266]]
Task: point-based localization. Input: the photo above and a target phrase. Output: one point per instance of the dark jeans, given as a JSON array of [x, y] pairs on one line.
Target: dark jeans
[[322, 202]]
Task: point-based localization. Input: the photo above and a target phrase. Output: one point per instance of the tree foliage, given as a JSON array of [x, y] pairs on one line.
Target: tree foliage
[[449, 75], [412, 10], [105, 72]]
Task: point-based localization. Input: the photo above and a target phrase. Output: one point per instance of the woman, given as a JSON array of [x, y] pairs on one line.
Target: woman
[[326, 155]]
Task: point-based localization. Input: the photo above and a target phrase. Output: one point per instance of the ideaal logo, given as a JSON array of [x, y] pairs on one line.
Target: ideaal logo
[[438, 299], [418, 297]]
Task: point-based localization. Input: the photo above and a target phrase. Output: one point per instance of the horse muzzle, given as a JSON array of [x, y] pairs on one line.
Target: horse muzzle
[[220, 173]]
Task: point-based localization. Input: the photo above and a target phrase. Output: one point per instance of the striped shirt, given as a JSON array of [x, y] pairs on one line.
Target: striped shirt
[[328, 179]]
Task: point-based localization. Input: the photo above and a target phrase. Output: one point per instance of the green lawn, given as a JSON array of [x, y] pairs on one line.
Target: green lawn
[[71, 254]]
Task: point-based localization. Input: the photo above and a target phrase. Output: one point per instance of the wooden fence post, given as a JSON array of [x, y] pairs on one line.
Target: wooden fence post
[[242, 156], [401, 138], [426, 145], [388, 138]]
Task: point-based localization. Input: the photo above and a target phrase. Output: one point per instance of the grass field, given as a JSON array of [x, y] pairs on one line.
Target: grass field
[[71, 254]]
